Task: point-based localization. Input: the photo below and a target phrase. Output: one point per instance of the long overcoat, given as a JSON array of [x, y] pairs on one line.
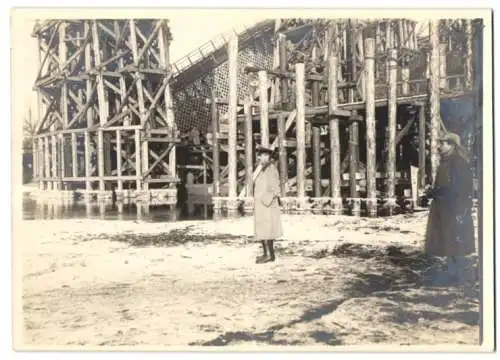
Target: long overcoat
[[450, 229], [267, 212]]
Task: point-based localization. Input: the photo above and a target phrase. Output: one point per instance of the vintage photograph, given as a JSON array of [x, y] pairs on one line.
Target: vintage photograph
[[252, 179]]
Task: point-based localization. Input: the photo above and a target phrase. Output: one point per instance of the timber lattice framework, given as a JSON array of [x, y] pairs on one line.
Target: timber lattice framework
[[348, 104], [351, 106], [105, 108]]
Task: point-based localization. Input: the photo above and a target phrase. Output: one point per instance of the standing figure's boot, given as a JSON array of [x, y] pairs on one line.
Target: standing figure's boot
[[263, 258], [270, 244]]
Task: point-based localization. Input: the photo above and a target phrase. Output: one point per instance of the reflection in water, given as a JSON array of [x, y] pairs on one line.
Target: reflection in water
[[151, 212]]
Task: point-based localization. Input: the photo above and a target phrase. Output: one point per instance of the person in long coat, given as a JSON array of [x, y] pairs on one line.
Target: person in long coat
[[450, 228], [267, 203]]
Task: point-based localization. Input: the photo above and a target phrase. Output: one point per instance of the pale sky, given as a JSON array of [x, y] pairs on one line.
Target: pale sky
[[190, 30], [25, 57]]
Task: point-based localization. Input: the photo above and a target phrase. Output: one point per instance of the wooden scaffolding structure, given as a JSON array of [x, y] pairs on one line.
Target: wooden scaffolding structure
[[105, 106], [342, 102]]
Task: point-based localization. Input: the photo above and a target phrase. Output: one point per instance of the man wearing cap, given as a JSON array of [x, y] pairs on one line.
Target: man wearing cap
[[267, 214], [450, 229]]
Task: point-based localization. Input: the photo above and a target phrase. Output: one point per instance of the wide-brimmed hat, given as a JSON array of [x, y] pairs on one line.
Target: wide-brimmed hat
[[264, 149], [452, 138]]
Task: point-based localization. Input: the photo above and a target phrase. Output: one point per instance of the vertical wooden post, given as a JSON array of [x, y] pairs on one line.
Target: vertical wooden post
[[119, 159], [300, 130], [74, 156], [54, 158], [316, 145], [140, 100], [361, 56], [434, 98], [283, 163], [468, 59], [388, 35], [62, 160], [103, 107], [41, 171], [164, 45], [247, 109], [90, 116], [442, 66], [215, 147], [47, 163], [333, 125], [64, 88], [100, 158], [233, 104], [283, 67], [107, 153], [371, 190], [34, 155], [421, 150], [264, 109], [88, 157], [138, 173], [353, 160], [392, 66]]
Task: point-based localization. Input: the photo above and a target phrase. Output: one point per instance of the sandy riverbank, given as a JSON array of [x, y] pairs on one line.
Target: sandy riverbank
[[337, 281]]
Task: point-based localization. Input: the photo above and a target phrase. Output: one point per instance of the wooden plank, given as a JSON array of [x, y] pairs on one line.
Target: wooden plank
[[283, 162], [215, 146], [300, 128], [371, 135], [443, 81], [421, 149], [392, 67], [316, 145], [101, 96], [434, 100], [74, 156], [119, 158], [140, 98], [138, 168], [264, 109], [334, 135], [232, 112], [248, 146], [100, 159], [283, 57]]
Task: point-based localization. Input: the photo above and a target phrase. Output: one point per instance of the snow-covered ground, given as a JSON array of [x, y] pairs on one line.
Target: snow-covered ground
[[335, 282]]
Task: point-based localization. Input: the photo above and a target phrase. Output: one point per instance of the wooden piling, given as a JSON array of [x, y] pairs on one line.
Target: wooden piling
[[74, 156], [421, 150], [283, 67], [392, 66], [140, 100], [232, 113], [119, 159], [247, 109], [100, 159], [434, 96], [371, 152], [316, 144], [62, 160], [41, 172], [443, 81], [300, 130], [362, 75], [283, 161], [138, 168], [333, 125], [88, 158], [468, 59], [264, 109], [215, 147], [54, 158]]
